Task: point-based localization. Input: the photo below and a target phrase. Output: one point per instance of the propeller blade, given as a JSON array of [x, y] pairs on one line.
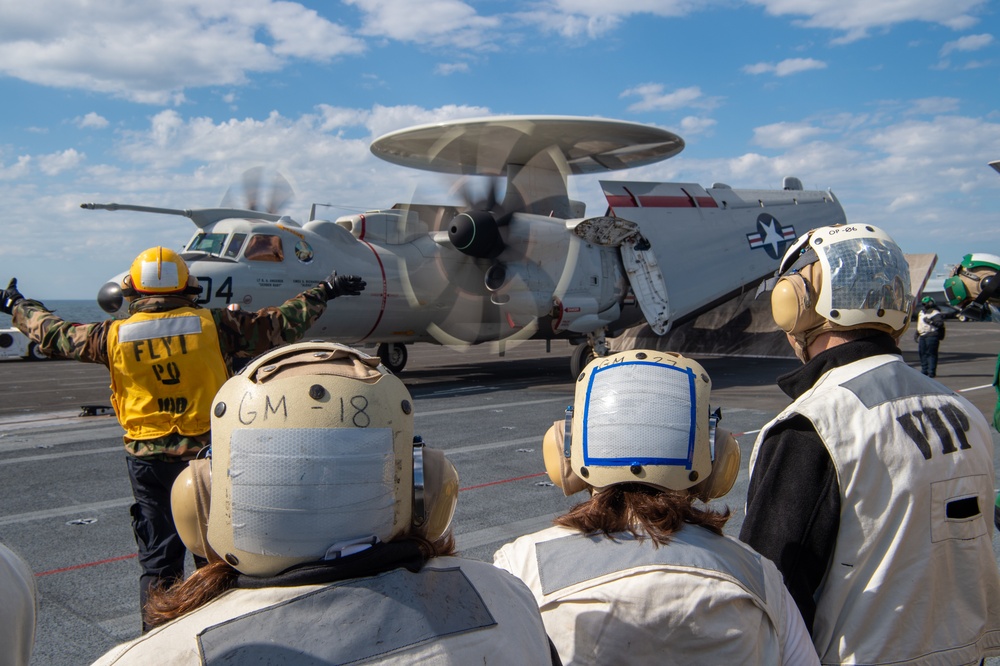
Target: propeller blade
[[281, 194], [251, 187], [253, 194]]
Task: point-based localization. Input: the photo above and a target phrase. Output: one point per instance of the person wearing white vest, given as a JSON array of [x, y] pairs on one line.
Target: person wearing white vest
[[327, 526], [870, 490], [18, 609], [641, 572]]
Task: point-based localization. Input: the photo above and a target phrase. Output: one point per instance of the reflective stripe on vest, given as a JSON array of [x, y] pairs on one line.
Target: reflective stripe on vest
[[577, 558], [352, 621], [159, 328], [166, 368]]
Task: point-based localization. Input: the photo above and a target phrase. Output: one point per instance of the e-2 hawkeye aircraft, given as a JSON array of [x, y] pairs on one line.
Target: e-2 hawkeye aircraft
[[528, 265]]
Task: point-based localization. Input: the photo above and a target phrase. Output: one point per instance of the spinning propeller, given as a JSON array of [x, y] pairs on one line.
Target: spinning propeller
[[261, 190]]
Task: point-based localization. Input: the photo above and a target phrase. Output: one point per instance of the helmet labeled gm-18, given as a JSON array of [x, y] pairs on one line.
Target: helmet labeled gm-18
[[312, 452]]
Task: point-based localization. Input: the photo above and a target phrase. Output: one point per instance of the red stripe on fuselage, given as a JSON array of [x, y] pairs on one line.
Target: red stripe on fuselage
[[385, 284], [659, 201]]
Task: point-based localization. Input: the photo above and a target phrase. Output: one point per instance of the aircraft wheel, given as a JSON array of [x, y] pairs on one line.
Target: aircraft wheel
[[35, 354], [582, 355], [393, 356]]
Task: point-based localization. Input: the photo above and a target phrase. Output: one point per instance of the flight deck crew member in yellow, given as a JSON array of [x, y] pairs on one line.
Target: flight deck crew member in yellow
[[870, 490], [640, 573], [167, 360], [327, 528]]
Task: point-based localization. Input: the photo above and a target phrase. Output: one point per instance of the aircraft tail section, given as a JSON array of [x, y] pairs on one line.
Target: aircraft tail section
[[741, 326], [694, 248]]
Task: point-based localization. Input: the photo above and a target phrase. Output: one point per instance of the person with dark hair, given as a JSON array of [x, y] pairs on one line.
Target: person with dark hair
[[327, 526], [167, 360], [869, 490], [641, 573]]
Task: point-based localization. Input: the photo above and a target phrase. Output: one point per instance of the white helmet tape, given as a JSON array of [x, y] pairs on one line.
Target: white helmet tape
[[620, 428], [293, 488]]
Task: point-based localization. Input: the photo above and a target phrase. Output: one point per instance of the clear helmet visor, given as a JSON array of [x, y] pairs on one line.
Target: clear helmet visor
[[866, 279]]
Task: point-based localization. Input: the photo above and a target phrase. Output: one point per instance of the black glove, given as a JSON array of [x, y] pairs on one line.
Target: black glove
[[11, 297], [343, 285]]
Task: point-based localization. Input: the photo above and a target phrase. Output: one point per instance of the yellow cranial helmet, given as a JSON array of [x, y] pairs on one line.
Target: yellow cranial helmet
[[842, 277], [158, 270], [313, 453], [642, 416]]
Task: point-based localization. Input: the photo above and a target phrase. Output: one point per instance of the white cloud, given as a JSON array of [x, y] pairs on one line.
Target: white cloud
[[91, 120], [55, 163], [784, 134], [693, 125], [17, 170], [785, 67], [653, 98], [149, 51], [593, 19], [933, 106], [967, 43], [435, 22], [449, 68], [856, 18]]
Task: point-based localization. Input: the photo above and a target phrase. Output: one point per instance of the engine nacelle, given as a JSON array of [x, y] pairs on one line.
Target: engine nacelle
[[476, 233]]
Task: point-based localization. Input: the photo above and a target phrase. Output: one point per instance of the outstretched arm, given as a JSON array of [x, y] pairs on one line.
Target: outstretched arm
[[55, 337]]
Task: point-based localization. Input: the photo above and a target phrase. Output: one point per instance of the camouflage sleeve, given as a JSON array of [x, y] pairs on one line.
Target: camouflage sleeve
[[62, 339], [252, 333]]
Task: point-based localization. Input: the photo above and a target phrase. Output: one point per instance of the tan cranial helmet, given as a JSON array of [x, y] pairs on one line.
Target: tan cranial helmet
[[642, 416], [313, 452], [841, 278]]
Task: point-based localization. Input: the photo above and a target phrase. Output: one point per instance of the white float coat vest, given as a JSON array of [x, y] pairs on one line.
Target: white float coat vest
[[166, 368], [701, 599], [453, 611], [913, 577]]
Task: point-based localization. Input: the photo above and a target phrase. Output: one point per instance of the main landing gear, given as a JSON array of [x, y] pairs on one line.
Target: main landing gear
[[393, 356]]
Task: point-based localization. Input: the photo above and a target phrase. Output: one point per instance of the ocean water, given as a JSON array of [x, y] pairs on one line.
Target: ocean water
[[80, 311]]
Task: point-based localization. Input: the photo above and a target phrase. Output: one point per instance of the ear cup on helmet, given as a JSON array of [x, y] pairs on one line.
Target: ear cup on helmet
[[793, 304], [557, 465], [440, 494], [190, 503], [725, 468], [128, 291]]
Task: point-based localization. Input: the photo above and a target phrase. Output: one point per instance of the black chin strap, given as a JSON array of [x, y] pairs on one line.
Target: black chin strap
[[380, 557]]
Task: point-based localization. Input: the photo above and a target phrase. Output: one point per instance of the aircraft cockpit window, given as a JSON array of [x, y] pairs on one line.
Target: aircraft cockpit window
[[235, 245], [210, 243], [262, 247]]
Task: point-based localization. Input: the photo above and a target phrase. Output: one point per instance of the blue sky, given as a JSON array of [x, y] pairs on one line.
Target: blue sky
[[892, 104]]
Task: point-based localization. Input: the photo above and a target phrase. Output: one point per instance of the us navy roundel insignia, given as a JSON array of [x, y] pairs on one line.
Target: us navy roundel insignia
[[771, 236]]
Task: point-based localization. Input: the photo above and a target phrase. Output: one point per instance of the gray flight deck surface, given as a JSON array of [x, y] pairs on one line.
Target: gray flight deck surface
[[65, 493]]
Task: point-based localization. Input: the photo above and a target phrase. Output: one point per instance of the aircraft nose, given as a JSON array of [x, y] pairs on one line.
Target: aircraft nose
[[110, 297]]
